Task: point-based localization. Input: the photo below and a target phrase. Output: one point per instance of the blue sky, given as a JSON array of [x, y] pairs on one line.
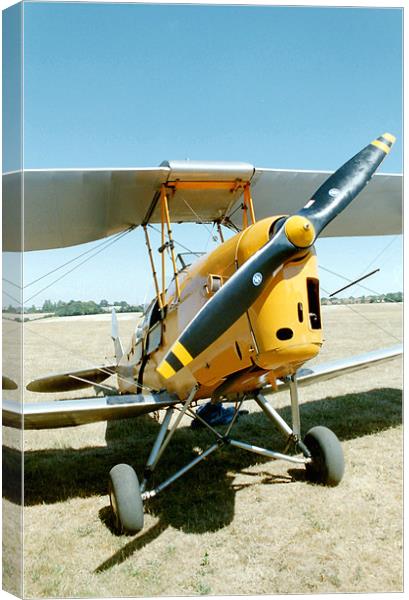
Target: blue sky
[[283, 87]]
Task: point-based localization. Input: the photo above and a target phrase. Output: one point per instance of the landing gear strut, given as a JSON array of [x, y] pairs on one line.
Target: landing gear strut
[[321, 454]]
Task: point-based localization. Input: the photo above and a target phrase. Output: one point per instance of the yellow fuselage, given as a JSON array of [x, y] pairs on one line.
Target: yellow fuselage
[[280, 331]]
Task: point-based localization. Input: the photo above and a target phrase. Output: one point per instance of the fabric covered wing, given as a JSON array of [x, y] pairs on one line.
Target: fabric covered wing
[[376, 211], [335, 368], [69, 207], [68, 413]]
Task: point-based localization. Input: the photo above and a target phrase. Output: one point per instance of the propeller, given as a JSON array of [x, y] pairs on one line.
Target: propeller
[[296, 232]]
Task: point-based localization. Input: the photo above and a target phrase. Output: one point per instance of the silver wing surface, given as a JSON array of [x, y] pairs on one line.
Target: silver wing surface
[[73, 206], [335, 368], [376, 211], [65, 413]]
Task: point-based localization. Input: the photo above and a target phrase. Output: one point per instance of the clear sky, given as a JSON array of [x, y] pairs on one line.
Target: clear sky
[[283, 87]]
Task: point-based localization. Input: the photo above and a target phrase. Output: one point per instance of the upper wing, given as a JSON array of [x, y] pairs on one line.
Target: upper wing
[[376, 211], [71, 206], [64, 413]]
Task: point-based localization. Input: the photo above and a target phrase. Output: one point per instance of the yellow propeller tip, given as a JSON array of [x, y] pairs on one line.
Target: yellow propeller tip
[[389, 137]]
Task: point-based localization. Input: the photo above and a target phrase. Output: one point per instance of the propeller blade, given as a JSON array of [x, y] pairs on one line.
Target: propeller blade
[[296, 232], [338, 191]]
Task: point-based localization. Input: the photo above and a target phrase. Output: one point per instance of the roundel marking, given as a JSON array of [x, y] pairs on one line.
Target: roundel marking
[[257, 279], [333, 192]]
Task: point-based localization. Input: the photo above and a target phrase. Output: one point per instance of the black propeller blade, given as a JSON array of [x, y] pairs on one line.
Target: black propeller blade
[[297, 232]]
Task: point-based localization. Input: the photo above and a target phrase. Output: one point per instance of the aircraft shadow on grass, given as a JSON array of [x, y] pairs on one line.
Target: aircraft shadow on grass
[[204, 499]]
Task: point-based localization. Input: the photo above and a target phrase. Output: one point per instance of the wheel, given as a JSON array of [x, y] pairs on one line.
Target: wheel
[[327, 466], [126, 499]]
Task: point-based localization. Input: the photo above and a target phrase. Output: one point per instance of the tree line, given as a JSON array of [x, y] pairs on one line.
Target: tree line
[[371, 299], [77, 307]]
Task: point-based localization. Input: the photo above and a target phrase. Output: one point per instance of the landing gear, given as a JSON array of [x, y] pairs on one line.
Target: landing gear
[[321, 455], [327, 459], [126, 499]]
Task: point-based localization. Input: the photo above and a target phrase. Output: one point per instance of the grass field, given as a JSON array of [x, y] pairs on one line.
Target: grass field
[[239, 524]]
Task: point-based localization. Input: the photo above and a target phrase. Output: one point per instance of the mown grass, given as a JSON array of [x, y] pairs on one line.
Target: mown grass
[[238, 523], [56, 475]]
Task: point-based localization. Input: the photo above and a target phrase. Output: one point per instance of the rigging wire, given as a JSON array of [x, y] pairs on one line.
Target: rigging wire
[[83, 359], [355, 282], [104, 243], [380, 253], [240, 206], [369, 320], [198, 217], [12, 297], [19, 287], [350, 281], [80, 264], [211, 237], [176, 242]]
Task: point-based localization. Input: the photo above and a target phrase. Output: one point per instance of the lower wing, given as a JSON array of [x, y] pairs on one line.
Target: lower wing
[[67, 413]]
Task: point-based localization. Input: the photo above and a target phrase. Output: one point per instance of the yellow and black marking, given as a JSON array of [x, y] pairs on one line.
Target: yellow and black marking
[[181, 353], [165, 370], [384, 142], [177, 358]]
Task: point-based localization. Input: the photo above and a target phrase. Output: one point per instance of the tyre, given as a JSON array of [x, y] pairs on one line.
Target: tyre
[[327, 466], [126, 499]]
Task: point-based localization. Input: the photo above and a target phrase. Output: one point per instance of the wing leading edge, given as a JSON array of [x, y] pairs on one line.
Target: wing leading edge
[[69, 413], [73, 206]]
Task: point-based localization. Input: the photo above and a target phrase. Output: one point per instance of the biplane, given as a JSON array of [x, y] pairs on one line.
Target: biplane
[[237, 324]]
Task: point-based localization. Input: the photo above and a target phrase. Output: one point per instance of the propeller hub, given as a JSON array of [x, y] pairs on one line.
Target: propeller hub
[[299, 231]]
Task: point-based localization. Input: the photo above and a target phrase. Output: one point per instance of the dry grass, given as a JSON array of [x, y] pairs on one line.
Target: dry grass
[[239, 524]]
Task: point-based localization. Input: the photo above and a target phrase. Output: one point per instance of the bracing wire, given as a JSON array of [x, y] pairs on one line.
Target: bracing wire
[[175, 241], [80, 264], [11, 297], [12, 283], [368, 319], [380, 253], [82, 357], [104, 243], [350, 281], [198, 217]]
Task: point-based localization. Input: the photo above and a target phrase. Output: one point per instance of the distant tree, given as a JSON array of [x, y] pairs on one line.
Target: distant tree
[[48, 306]]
